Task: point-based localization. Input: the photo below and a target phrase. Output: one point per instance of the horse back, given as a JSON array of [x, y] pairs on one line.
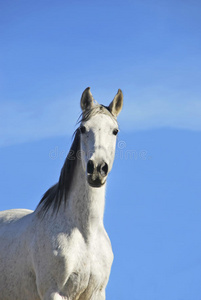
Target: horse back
[[12, 215], [16, 276]]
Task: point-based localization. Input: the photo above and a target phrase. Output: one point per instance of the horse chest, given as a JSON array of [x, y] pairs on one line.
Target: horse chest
[[91, 271]]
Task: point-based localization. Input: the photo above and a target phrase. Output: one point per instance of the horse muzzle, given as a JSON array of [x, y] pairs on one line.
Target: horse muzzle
[[96, 175]]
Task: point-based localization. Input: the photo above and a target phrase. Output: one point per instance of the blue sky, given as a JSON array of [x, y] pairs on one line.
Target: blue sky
[[50, 52]]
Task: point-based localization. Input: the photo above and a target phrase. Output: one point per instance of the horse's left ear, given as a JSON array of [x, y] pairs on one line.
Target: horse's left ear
[[87, 100], [116, 105]]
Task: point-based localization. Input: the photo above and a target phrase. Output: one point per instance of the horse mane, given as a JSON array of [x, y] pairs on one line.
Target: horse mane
[[53, 196], [59, 192]]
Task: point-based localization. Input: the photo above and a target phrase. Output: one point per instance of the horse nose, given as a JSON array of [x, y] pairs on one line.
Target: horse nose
[[103, 169], [90, 167]]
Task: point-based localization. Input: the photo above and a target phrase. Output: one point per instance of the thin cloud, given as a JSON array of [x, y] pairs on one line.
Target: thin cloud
[[20, 123], [173, 111]]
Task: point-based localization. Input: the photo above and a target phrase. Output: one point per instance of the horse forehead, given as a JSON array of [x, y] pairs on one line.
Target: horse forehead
[[101, 120]]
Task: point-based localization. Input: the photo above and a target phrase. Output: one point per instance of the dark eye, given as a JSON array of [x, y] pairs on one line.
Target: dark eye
[[83, 129], [115, 131]]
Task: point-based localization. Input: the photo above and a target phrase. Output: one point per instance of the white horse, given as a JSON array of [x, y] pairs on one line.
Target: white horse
[[61, 250]]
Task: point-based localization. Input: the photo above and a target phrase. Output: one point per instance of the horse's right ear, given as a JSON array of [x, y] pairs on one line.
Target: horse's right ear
[[87, 100]]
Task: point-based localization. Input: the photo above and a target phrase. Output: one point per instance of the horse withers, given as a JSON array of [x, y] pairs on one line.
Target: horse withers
[[61, 250]]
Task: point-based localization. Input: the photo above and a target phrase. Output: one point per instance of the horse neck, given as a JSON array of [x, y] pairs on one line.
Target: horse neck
[[85, 205]]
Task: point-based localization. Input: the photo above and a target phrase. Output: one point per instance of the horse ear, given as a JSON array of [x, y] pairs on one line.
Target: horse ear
[[87, 100], [116, 105]]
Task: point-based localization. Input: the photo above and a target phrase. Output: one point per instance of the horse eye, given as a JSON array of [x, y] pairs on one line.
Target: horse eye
[[83, 129], [115, 131]]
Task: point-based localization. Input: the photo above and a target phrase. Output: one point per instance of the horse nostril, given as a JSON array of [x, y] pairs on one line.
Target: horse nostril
[[90, 167], [104, 169]]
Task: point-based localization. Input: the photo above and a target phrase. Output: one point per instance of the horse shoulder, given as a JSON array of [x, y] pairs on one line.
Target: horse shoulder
[[101, 256]]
